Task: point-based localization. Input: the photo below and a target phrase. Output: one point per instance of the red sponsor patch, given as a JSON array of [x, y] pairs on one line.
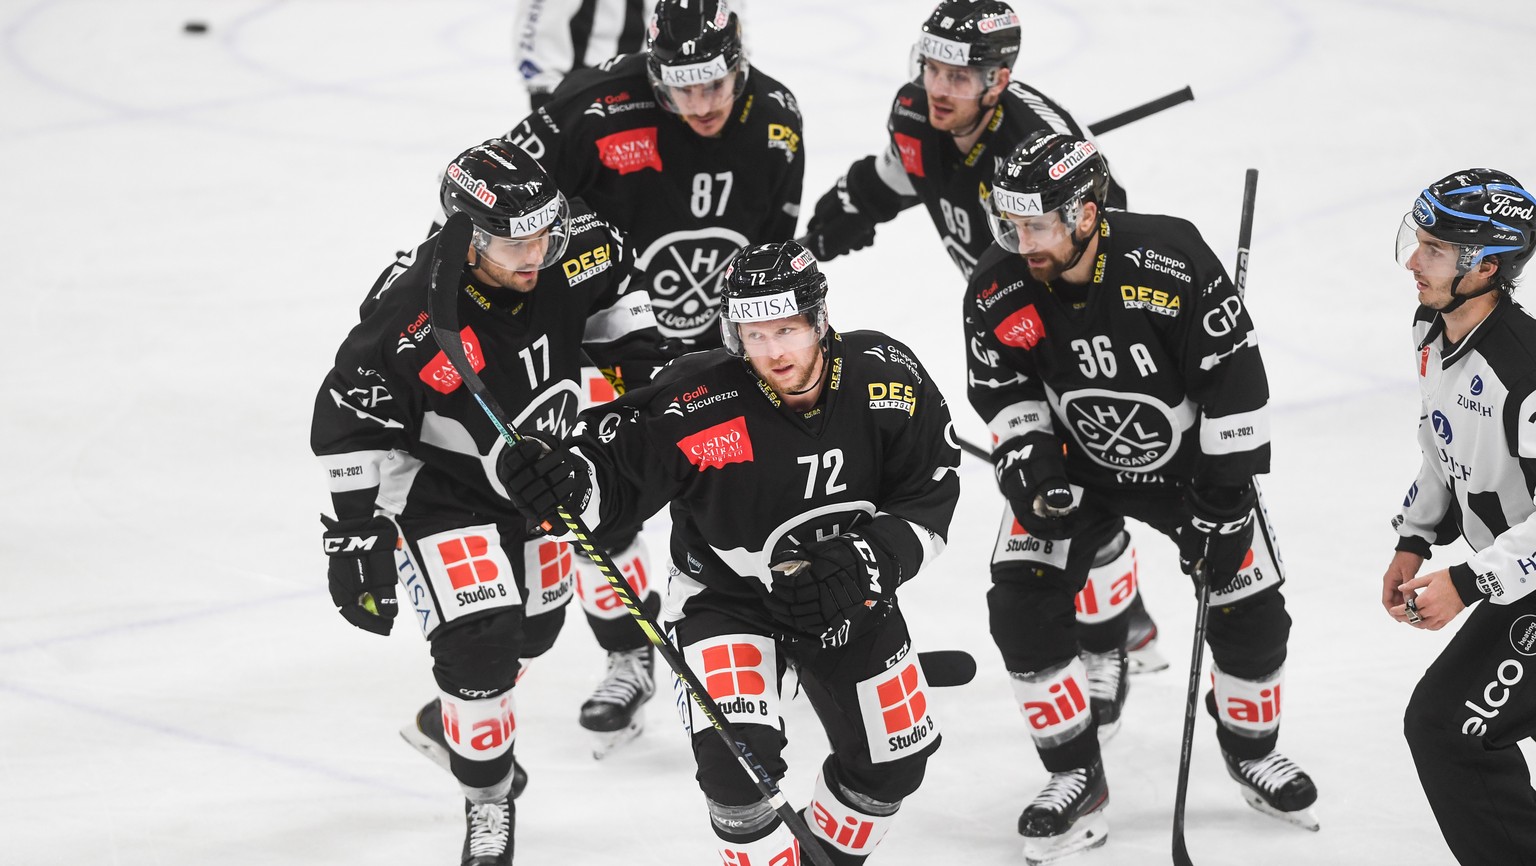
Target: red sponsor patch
[[630, 151], [1424, 362], [466, 560], [732, 669], [1022, 328], [719, 445], [902, 703], [441, 376], [906, 101], [911, 151]]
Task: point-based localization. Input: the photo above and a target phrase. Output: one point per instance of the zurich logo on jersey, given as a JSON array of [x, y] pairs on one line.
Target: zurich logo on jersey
[[1477, 385], [1442, 426]]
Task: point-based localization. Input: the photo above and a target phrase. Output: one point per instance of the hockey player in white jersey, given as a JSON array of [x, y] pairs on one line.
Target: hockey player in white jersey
[[1466, 240], [553, 38]]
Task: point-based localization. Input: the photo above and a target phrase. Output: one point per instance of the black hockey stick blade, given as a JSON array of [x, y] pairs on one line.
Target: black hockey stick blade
[[948, 668], [1147, 109], [442, 310]]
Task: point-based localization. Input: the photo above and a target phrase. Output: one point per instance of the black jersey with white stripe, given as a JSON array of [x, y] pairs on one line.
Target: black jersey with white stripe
[[394, 426], [1477, 432], [1150, 373], [747, 477], [923, 162]]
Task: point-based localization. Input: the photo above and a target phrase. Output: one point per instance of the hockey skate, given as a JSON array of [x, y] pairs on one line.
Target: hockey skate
[[612, 712], [1141, 640], [1108, 685], [1275, 786], [1067, 816], [425, 734], [487, 834]]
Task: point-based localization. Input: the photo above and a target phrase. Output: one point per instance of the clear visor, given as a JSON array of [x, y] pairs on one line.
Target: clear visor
[[944, 79], [542, 244], [1020, 227], [1418, 250], [697, 89], [775, 337]]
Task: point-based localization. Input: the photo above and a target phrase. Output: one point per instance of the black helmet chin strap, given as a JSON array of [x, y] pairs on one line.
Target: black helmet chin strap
[[1458, 300]]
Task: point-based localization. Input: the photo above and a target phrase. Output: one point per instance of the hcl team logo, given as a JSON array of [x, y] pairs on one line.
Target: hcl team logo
[[1442, 426], [1477, 385]]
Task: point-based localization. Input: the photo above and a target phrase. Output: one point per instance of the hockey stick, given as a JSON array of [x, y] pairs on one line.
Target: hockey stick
[[442, 310], [1146, 109], [1203, 594]]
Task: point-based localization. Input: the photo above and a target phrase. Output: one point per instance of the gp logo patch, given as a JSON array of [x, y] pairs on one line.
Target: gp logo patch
[[683, 273]]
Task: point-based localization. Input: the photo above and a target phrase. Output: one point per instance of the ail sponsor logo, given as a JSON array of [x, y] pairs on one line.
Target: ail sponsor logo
[[630, 151], [715, 447]]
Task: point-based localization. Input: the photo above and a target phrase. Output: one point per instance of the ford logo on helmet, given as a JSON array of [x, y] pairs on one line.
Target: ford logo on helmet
[[1423, 212]]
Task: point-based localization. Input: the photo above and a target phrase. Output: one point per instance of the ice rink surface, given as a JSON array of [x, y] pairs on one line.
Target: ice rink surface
[[191, 221]]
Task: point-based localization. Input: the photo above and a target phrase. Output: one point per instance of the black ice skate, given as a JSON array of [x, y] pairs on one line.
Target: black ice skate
[[1276, 787], [425, 733], [1108, 685], [1067, 816], [612, 712], [487, 834], [1141, 640]]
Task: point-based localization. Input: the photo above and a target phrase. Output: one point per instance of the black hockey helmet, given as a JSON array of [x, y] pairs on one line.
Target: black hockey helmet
[[765, 282], [980, 33], [512, 202], [1047, 173], [1483, 213], [694, 44]]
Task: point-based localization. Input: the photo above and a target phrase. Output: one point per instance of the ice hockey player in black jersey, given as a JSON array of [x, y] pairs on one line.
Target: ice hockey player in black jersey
[[1117, 367], [950, 129], [694, 154], [410, 458], [1466, 240], [810, 474]]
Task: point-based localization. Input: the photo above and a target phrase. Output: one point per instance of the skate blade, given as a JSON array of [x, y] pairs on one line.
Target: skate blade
[[1302, 818], [424, 744], [1146, 660], [609, 742], [1089, 832]]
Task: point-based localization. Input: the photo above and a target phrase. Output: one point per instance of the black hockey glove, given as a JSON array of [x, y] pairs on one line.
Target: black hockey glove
[[1032, 473], [362, 570], [539, 480], [837, 226], [1215, 541], [837, 584]]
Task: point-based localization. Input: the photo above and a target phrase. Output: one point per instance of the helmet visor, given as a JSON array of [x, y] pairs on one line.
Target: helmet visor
[[1419, 250], [1021, 227], [696, 89], [775, 337], [538, 239], [956, 82]]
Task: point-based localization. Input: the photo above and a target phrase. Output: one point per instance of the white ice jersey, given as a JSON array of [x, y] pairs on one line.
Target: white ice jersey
[[1477, 431]]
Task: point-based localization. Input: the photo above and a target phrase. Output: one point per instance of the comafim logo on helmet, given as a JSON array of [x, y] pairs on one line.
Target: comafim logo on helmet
[[762, 308], [472, 186], [993, 23], [1077, 157], [802, 261], [1423, 212]]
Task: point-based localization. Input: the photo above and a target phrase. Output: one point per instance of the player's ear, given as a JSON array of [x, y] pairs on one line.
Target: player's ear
[[1089, 217], [999, 84]]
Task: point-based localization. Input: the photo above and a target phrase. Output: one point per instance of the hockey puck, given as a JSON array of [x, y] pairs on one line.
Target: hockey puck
[[195, 27]]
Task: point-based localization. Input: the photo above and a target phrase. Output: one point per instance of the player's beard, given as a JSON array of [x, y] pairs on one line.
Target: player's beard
[[1051, 269]]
